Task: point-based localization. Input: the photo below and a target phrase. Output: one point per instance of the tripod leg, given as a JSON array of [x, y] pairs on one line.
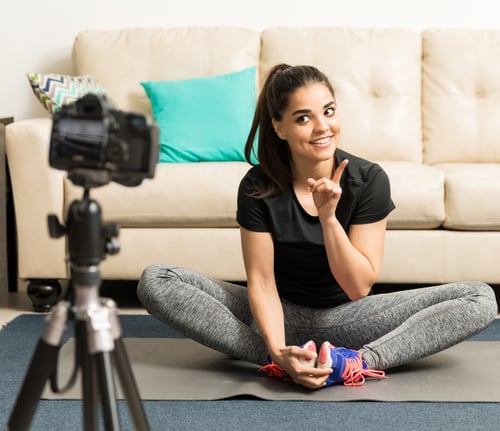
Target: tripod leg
[[100, 345], [129, 386], [107, 390], [89, 386], [43, 362], [124, 370]]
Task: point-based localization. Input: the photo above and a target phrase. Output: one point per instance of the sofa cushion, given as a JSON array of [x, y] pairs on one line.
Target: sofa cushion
[[204, 119], [460, 103], [180, 195], [472, 196], [418, 193], [208, 199], [376, 75], [55, 90], [122, 59]]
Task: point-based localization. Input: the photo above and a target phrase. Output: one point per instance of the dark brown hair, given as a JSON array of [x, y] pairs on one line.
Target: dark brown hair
[[273, 154]]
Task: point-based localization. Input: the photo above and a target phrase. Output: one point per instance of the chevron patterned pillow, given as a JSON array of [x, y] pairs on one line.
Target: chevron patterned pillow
[[54, 90]]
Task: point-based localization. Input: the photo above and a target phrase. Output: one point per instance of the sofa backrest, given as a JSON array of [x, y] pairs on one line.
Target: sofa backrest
[[403, 95], [461, 95], [121, 59], [376, 75]]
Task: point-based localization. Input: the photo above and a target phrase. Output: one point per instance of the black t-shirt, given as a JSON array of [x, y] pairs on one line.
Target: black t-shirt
[[301, 267]]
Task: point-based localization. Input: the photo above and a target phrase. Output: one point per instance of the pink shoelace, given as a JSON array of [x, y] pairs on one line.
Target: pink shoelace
[[273, 370], [355, 374]]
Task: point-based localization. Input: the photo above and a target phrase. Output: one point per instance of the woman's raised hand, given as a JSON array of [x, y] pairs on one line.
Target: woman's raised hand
[[327, 191]]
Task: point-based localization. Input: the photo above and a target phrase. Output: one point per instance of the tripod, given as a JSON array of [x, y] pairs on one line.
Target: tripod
[[99, 346]]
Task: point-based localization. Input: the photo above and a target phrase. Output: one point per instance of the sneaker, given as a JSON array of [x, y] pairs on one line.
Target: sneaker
[[310, 345], [274, 370], [348, 366]]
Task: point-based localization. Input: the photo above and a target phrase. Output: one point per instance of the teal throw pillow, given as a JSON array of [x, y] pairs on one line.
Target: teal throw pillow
[[203, 119]]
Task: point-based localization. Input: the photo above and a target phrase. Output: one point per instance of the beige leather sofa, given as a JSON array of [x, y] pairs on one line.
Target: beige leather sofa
[[425, 105]]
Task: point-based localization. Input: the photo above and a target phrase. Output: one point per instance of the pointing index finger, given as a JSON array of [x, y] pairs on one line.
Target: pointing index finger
[[337, 174]]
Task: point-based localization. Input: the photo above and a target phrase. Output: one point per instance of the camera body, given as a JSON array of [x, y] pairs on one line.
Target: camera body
[[97, 144]]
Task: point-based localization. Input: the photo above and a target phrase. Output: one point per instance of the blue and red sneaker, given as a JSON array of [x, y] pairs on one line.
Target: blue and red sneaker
[[274, 370], [348, 366]]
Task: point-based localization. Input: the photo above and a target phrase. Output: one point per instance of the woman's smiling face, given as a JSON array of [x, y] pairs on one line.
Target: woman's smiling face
[[310, 123]]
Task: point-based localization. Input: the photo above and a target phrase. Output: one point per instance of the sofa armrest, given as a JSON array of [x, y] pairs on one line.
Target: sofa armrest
[[37, 191]]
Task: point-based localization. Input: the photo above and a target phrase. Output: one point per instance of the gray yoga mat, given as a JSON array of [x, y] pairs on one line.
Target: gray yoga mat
[[181, 369]]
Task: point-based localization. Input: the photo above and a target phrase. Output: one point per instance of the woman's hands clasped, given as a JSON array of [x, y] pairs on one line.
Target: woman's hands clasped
[[292, 359]]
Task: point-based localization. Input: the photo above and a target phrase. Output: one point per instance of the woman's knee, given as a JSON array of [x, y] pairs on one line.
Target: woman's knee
[[153, 279], [484, 297], [489, 294]]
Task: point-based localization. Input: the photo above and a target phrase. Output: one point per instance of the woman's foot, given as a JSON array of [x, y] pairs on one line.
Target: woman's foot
[[348, 366]]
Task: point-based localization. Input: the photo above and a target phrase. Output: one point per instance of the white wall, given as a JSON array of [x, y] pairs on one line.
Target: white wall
[[37, 36]]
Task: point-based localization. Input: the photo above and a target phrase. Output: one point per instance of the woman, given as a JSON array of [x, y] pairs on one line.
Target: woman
[[313, 221]]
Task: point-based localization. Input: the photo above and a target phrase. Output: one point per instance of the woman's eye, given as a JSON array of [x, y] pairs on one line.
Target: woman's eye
[[329, 112], [302, 119]]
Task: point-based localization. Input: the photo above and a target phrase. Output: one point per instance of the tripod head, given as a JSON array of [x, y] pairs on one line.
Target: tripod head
[[89, 239]]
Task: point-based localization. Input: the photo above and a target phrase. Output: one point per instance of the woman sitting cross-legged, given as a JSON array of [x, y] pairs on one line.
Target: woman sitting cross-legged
[[313, 220]]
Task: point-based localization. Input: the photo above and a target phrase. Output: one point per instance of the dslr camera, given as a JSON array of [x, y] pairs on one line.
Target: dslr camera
[[97, 144]]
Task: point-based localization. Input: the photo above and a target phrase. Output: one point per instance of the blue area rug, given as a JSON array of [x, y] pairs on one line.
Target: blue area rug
[[18, 339]]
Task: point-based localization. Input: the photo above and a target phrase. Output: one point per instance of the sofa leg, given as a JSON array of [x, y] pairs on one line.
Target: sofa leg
[[43, 294]]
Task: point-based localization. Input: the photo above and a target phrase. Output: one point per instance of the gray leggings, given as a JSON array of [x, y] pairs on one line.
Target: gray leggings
[[388, 329]]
